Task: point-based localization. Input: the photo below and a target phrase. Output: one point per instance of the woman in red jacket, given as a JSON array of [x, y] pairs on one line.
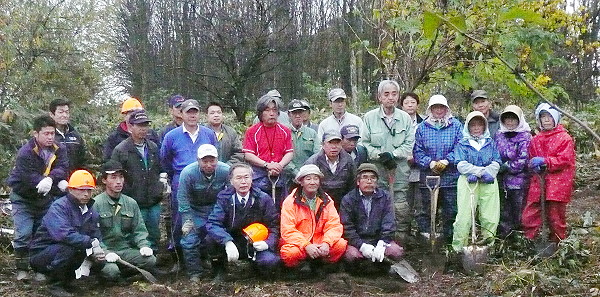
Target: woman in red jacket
[[552, 154]]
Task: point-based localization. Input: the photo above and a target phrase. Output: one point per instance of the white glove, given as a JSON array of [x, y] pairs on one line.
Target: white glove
[[96, 249], [367, 250], [146, 251], [379, 252], [163, 178], [432, 164], [445, 162], [62, 185], [112, 257], [232, 251], [44, 186], [187, 227], [260, 246]]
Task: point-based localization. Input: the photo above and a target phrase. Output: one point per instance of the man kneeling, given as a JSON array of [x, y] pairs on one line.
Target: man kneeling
[[367, 214], [238, 207], [124, 235]]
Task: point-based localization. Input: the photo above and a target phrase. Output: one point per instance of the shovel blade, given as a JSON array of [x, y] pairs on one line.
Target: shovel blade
[[405, 271], [474, 258]]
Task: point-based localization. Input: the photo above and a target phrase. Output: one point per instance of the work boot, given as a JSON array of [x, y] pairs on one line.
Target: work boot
[[219, 270], [22, 275], [22, 264], [39, 277]]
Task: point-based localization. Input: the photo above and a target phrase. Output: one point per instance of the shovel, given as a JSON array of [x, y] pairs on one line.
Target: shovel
[[147, 275], [273, 181], [544, 248], [405, 271], [436, 262], [474, 257], [433, 184]]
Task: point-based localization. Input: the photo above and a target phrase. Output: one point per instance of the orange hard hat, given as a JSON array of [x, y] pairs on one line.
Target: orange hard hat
[[131, 104], [82, 179], [256, 232]]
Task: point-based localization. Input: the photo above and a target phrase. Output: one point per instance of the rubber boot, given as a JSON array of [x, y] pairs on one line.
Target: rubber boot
[[22, 264]]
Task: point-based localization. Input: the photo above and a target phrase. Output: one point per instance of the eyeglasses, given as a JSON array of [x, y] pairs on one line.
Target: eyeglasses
[[369, 177]]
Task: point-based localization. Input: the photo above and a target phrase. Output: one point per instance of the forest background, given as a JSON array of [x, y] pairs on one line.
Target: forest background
[[96, 53]]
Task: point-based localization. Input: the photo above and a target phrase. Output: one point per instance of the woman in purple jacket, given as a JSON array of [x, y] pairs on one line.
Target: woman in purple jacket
[[512, 141]]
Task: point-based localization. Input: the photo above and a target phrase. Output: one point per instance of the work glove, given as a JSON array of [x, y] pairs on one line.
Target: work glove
[[487, 178], [62, 185], [260, 246], [44, 186], [146, 251], [439, 166], [379, 251], [187, 227], [387, 160], [97, 251], [163, 179], [537, 164], [112, 257], [367, 250], [472, 178], [232, 251]]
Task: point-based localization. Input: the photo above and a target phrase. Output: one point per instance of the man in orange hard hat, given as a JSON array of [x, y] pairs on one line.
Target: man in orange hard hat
[[69, 232], [122, 131], [238, 207]]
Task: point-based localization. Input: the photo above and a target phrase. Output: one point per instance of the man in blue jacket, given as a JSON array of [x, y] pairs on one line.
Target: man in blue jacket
[[178, 150], [367, 214], [68, 234], [199, 184], [39, 175], [67, 135], [237, 207]]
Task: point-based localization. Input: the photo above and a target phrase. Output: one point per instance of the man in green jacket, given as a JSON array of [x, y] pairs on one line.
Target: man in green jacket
[[389, 139], [124, 235], [304, 138]]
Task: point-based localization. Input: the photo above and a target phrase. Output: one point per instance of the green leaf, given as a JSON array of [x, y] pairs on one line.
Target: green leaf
[[459, 22], [519, 13], [431, 22]]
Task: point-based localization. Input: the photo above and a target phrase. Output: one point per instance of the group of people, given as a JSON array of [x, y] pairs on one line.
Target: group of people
[[291, 192]]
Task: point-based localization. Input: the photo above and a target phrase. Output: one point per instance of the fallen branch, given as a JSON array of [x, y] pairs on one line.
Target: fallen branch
[[520, 76]]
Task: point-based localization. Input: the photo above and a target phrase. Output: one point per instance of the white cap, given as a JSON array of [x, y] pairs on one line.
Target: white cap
[[306, 170], [207, 150], [438, 99], [274, 93]]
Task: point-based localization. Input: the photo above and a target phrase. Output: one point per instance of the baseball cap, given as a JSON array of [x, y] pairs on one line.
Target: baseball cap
[[305, 104], [296, 105], [189, 104], [176, 100], [479, 94], [329, 136], [350, 131], [335, 94], [111, 166], [139, 117], [207, 150]]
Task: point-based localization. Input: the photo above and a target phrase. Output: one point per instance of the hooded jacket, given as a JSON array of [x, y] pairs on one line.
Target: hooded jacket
[[558, 150], [513, 145], [471, 160]]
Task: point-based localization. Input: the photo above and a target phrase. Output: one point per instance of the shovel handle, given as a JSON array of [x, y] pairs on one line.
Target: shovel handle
[[432, 182], [273, 186]]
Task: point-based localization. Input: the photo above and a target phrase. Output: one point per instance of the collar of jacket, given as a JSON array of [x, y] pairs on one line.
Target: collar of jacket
[[36, 147], [343, 158], [320, 194], [396, 115]]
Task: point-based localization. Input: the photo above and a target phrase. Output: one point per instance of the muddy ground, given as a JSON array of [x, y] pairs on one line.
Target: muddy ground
[[573, 271]]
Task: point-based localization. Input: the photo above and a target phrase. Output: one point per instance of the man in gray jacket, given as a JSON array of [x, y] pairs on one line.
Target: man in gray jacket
[[229, 145]]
